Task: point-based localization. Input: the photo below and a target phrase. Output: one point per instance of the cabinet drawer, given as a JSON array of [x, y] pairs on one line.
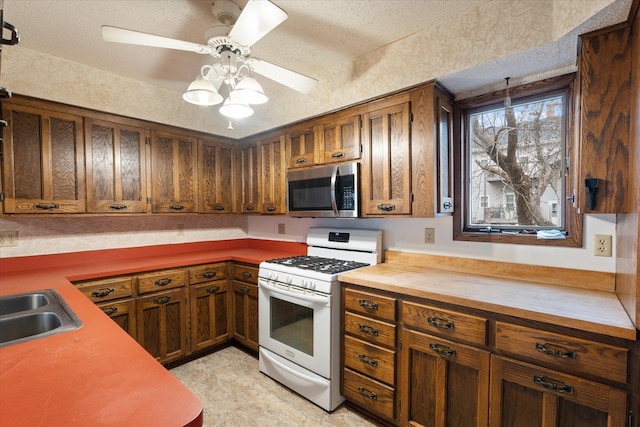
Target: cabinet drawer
[[207, 273], [245, 273], [161, 280], [370, 304], [370, 330], [372, 395], [449, 324], [369, 359], [563, 352], [107, 289]]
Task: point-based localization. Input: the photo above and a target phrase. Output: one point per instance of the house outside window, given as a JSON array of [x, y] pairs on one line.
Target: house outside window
[[515, 164]]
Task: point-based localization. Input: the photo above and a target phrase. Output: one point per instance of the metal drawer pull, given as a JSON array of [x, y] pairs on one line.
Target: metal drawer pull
[[551, 384], [246, 274], [162, 282], [213, 290], [209, 274], [162, 300], [367, 393], [249, 208], [244, 289], [101, 293], [439, 322], [442, 350], [218, 208], [553, 350], [301, 161], [176, 207], [387, 208], [271, 208], [109, 311], [369, 305], [46, 206], [337, 155], [368, 360], [370, 330], [118, 207]]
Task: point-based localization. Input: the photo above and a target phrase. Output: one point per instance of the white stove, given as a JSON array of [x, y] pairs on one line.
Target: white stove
[[299, 311]]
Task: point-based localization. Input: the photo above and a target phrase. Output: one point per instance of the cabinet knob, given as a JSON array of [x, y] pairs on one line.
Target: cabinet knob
[[244, 289], [246, 274]]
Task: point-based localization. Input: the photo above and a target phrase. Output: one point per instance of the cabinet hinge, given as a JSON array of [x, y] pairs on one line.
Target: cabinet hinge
[[148, 200], [630, 419], [410, 117], [147, 140], [1, 196]]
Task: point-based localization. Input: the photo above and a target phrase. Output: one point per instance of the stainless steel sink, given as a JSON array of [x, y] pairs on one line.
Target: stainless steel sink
[[33, 315]]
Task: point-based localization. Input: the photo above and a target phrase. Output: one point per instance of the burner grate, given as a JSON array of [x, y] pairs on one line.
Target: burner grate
[[319, 264]]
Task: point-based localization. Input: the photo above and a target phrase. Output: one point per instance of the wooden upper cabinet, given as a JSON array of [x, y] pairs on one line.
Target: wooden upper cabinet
[[115, 160], [301, 146], [272, 175], [604, 101], [43, 161], [340, 137], [217, 176], [249, 188], [173, 173], [386, 158]]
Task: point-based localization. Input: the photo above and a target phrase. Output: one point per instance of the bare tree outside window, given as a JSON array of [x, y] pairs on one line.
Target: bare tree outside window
[[517, 162]]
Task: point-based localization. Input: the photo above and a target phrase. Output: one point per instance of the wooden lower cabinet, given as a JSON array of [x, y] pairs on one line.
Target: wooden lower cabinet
[[123, 312], [525, 395], [245, 314], [162, 324], [210, 307], [442, 383]]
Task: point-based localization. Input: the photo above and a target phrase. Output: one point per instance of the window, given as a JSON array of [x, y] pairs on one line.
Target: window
[[515, 165]]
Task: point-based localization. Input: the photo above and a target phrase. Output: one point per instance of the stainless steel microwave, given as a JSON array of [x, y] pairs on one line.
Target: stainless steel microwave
[[328, 191]]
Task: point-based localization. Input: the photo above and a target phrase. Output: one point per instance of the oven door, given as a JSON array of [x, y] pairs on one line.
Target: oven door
[[296, 325]]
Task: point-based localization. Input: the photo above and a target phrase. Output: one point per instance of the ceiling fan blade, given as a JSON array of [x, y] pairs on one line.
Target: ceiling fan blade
[[295, 81], [121, 35], [255, 21]]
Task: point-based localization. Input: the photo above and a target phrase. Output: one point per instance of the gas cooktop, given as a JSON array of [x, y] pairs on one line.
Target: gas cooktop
[[319, 264]]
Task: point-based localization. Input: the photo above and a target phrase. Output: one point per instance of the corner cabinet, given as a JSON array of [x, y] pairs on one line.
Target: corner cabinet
[[43, 161], [386, 158], [116, 162], [174, 178]]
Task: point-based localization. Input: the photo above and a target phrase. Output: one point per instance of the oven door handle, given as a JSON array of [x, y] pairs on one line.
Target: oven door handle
[[292, 371], [311, 298], [334, 177]]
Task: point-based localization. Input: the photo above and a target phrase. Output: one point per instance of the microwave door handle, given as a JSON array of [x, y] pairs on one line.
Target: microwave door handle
[[334, 177]]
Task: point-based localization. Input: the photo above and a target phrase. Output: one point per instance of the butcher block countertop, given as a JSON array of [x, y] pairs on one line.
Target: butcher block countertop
[[527, 297], [98, 375]]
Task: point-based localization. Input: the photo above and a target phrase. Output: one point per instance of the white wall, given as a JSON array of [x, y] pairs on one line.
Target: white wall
[[407, 234]]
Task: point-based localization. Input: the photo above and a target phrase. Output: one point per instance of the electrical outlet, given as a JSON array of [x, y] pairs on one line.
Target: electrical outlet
[[281, 229], [429, 235], [180, 229], [8, 238], [602, 245]]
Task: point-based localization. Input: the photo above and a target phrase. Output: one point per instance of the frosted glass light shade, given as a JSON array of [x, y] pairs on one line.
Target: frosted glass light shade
[[202, 92], [249, 91], [235, 109]]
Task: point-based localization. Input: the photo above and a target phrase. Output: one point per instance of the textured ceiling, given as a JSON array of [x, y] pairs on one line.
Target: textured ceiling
[[319, 36]]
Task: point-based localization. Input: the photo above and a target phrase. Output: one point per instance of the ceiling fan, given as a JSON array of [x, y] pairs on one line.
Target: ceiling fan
[[229, 41]]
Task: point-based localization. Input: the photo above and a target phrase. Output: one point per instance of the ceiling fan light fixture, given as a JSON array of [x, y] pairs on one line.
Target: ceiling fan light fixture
[[249, 91], [202, 92], [235, 109]]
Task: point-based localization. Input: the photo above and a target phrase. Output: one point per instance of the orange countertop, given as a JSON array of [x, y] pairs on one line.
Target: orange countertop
[[98, 375]]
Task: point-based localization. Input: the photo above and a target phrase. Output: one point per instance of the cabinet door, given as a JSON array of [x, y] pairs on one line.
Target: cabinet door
[[116, 167], [216, 176], [272, 175], [123, 312], [386, 162], [210, 308], [524, 395], [43, 161], [301, 146], [249, 189], [245, 314], [162, 324], [173, 172], [604, 68], [443, 383], [341, 139]]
